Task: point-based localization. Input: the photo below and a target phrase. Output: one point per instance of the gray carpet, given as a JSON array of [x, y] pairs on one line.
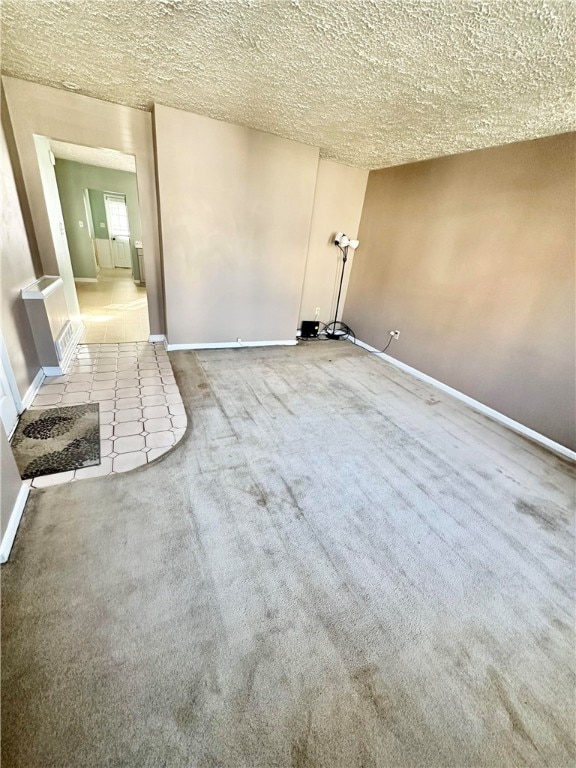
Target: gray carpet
[[338, 567]]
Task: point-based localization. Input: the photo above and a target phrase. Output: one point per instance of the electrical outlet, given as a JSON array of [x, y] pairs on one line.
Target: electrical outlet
[[395, 334], [239, 340]]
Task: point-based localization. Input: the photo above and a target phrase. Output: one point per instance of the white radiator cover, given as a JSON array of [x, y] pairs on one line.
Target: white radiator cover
[[55, 334]]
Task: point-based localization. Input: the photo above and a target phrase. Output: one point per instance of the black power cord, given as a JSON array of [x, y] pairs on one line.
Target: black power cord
[[387, 345], [338, 330], [347, 332]]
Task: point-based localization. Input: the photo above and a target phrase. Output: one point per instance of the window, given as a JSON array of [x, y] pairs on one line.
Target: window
[[117, 214]]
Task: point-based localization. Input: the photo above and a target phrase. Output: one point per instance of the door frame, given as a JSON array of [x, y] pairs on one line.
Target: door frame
[[90, 226], [7, 373], [153, 287]]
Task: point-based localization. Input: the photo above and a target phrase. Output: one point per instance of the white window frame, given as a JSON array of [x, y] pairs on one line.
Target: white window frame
[[117, 219]]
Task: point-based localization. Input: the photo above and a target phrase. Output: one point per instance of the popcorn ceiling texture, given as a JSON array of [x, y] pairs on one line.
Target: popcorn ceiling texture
[[373, 83]]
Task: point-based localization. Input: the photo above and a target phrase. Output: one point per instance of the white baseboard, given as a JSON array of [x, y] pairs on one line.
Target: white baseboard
[[32, 390], [10, 433], [231, 345], [14, 522], [157, 338], [521, 429], [85, 279]]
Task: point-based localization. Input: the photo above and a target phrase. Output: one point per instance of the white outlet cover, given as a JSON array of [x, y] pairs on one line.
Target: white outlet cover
[[102, 225], [80, 223]]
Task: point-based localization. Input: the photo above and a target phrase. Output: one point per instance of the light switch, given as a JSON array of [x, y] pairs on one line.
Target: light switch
[[81, 223], [102, 225]]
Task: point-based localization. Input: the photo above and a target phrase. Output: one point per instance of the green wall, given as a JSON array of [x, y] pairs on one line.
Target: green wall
[[98, 211], [73, 178]]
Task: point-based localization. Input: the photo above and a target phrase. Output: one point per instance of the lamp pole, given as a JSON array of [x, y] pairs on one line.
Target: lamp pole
[[336, 329], [334, 334]]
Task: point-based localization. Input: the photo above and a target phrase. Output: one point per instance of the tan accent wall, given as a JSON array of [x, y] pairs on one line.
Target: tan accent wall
[[472, 258], [57, 114], [337, 208], [235, 209], [16, 272]]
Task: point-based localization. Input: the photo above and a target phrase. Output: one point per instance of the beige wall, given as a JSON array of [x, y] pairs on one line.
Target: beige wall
[[337, 208], [57, 114], [16, 272], [472, 258], [235, 209]]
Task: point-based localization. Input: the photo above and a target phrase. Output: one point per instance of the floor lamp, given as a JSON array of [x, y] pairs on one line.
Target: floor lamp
[[336, 329]]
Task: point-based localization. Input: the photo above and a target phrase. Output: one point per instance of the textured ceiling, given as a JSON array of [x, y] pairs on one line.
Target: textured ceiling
[[371, 82], [104, 158]]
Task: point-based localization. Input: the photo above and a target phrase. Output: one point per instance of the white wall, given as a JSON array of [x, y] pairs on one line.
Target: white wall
[[235, 209], [57, 114], [57, 230], [338, 203]]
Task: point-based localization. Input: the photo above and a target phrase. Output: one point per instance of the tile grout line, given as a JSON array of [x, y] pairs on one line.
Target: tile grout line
[[141, 411]]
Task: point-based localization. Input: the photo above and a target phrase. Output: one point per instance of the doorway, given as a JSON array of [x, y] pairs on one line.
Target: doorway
[[98, 196], [113, 308]]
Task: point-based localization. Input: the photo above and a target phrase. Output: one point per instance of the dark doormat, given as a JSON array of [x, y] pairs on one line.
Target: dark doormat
[[57, 440]]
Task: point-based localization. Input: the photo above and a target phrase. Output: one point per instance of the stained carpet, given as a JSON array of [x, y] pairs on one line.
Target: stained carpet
[[337, 567], [57, 440]]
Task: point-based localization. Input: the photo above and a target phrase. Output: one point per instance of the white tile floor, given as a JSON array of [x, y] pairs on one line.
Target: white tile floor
[[141, 411]]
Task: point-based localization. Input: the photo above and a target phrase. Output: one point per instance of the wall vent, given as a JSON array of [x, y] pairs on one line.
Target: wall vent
[[64, 340]]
